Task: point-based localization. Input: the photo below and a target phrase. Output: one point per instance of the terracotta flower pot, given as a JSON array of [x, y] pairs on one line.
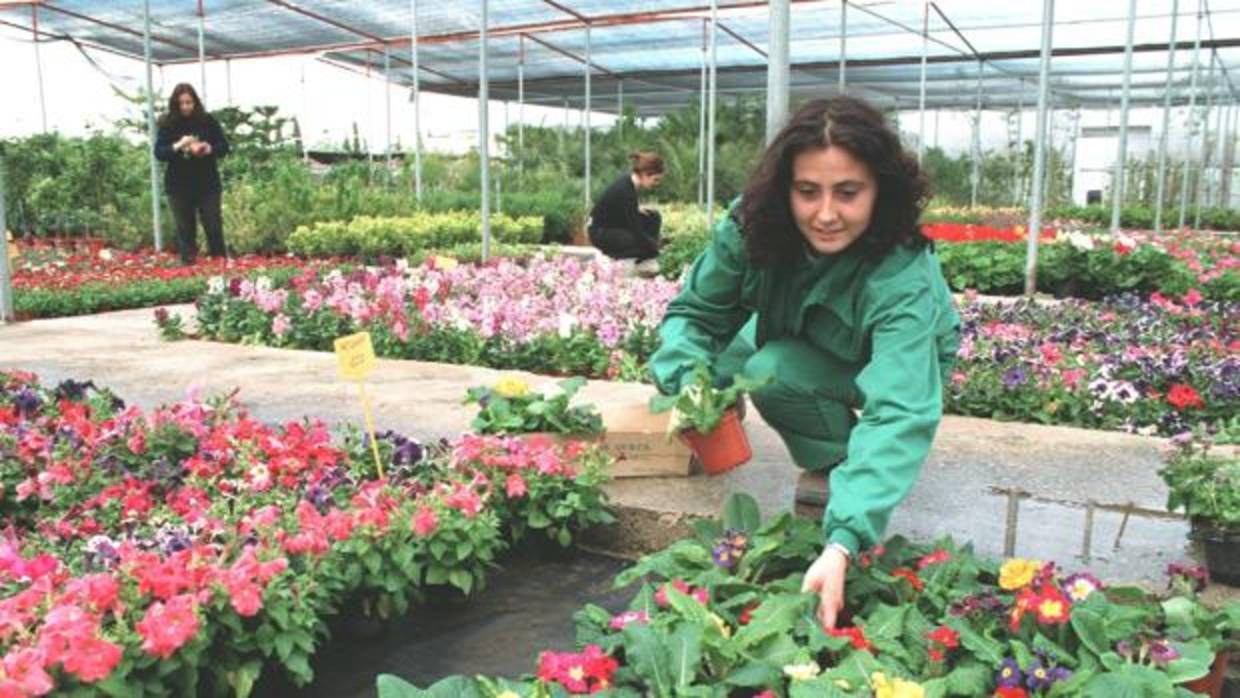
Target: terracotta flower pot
[[722, 449], [1212, 683]]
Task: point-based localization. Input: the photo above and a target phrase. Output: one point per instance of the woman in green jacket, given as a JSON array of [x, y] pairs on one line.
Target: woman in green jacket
[[821, 278]]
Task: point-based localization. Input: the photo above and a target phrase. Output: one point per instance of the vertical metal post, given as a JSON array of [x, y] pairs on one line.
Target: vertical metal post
[[202, 52], [1017, 189], [483, 135], [976, 175], [370, 124], [1205, 146], [150, 124], [843, 44], [1039, 152], [1229, 159], [710, 117], [620, 104], [777, 69], [6, 277], [1121, 158], [586, 118], [521, 106], [38, 62], [702, 123], [1220, 140], [305, 152], [1075, 134], [1192, 119], [921, 101], [387, 113], [1161, 186], [417, 101]]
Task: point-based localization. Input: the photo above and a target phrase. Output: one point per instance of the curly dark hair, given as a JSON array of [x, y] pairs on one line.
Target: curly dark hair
[[765, 212]]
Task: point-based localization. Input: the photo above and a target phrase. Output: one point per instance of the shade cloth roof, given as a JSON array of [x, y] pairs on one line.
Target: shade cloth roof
[[652, 50]]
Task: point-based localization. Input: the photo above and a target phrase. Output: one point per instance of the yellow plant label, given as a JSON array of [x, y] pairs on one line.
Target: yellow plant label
[[355, 355]]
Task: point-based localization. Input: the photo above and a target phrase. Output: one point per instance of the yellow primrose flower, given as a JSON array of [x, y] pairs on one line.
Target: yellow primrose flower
[[511, 387], [508, 694], [1017, 573], [895, 688], [802, 672]]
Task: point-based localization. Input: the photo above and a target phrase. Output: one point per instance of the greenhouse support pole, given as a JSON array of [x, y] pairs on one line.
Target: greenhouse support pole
[[1020, 146], [702, 123], [710, 116], [1039, 151], [620, 105], [521, 107], [585, 116], [921, 100], [304, 109], [1220, 153], [1229, 158], [38, 62], [202, 52], [417, 101], [484, 135], [843, 44], [1121, 158], [1205, 146], [228, 79], [1161, 187], [976, 175], [387, 113], [6, 279], [150, 124], [1192, 119], [777, 70], [1076, 133]]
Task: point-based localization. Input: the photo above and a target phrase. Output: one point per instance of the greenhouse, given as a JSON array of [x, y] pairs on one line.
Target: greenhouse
[[551, 347]]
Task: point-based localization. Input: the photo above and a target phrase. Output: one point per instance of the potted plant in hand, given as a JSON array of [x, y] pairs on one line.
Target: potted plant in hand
[[708, 420], [511, 407], [1205, 482]]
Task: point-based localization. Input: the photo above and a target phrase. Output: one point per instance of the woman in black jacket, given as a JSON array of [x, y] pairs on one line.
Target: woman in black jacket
[[190, 140], [617, 226]]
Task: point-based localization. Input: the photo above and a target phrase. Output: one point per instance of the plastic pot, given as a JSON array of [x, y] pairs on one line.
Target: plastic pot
[[1222, 548], [724, 448]]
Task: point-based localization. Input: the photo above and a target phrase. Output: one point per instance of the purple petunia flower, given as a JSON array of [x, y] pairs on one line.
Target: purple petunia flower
[[1014, 376]]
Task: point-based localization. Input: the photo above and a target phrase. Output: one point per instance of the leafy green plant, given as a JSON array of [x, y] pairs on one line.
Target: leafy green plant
[[699, 405], [511, 407], [1204, 482]]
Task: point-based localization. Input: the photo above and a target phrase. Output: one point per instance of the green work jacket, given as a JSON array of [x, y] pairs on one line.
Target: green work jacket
[[894, 319]]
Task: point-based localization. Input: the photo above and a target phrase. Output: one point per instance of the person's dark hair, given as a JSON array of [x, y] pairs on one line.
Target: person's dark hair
[[173, 116], [646, 162], [765, 213]]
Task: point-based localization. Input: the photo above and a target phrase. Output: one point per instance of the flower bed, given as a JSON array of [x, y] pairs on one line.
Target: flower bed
[[1158, 367], [548, 315], [723, 615], [182, 551], [87, 277], [371, 237]]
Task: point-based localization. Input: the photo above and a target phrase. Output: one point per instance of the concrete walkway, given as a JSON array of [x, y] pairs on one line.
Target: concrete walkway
[[963, 492]]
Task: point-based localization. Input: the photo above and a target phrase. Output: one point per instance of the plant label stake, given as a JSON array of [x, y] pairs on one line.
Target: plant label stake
[[355, 356]]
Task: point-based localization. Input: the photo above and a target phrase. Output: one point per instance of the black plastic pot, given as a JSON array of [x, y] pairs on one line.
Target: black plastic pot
[[1222, 548]]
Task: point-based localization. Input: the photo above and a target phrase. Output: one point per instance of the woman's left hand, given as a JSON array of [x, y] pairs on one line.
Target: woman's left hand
[[202, 148], [826, 577]]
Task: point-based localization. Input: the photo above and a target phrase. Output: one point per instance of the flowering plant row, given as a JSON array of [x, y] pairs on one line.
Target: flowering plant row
[[512, 407], [180, 552], [548, 315], [89, 278], [1157, 367], [371, 237], [722, 615]]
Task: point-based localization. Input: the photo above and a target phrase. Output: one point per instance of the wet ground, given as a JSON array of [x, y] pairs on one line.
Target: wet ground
[[526, 607]]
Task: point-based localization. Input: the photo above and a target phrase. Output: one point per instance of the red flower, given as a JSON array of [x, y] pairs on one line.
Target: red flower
[[1013, 692], [944, 636], [166, 627], [1052, 606], [911, 576], [91, 658], [24, 674], [1183, 396], [588, 672], [933, 558], [424, 522], [747, 614], [855, 635]]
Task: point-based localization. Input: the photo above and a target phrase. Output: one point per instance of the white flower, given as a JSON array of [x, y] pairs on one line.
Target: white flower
[[1081, 241], [215, 285], [262, 284], [566, 324], [802, 672], [105, 254]]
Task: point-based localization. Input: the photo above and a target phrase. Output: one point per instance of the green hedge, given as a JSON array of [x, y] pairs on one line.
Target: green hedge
[[371, 237]]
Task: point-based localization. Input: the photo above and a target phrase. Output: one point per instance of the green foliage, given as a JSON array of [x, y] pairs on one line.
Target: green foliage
[[510, 407], [1203, 481], [700, 405], [371, 237]]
